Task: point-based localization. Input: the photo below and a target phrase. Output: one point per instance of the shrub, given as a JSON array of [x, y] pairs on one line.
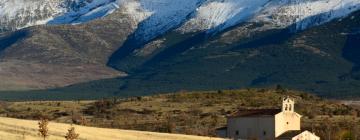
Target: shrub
[[71, 135]]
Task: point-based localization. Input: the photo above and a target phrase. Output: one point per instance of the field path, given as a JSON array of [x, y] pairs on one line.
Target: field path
[[16, 129]]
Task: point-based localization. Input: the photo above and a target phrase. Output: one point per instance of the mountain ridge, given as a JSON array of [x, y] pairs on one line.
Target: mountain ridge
[[233, 55], [311, 60], [210, 13]]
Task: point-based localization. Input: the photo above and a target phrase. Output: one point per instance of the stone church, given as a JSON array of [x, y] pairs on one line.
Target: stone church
[[266, 124]]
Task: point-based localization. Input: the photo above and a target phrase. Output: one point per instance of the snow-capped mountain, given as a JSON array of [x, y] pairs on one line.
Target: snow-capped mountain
[[80, 11], [159, 16], [305, 13], [17, 14], [155, 17], [221, 14], [163, 44]]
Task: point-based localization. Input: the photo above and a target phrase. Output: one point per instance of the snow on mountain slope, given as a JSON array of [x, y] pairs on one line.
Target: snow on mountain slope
[[306, 13], [161, 15], [221, 14], [79, 11], [155, 17], [17, 14]]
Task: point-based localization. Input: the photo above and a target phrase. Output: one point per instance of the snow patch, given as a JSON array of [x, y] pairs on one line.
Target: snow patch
[[84, 11], [17, 14], [221, 14], [133, 8], [306, 13], [165, 15]]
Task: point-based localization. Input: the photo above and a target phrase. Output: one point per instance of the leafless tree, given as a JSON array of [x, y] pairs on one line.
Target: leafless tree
[[43, 128]]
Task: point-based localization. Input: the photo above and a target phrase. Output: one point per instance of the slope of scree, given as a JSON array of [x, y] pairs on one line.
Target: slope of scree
[[56, 56]]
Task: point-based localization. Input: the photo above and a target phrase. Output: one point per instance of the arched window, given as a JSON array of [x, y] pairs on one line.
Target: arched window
[[290, 108], [286, 107]]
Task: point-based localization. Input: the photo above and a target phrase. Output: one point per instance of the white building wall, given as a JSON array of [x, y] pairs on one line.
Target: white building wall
[[306, 135], [286, 121], [262, 128]]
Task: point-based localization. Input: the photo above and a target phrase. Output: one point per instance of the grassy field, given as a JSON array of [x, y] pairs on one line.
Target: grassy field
[[16, 129], [192, 113]]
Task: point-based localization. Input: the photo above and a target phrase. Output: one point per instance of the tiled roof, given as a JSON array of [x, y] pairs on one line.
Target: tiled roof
[[289, 134], [255, 112]]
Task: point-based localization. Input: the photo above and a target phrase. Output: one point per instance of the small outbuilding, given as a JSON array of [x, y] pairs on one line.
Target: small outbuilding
[[298, 135]]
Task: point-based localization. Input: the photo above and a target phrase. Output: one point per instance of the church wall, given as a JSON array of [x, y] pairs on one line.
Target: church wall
[[261, 127], [285, 121]]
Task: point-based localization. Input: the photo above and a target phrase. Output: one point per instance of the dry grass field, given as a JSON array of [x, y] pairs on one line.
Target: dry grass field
[[16, 129], [191, 113]]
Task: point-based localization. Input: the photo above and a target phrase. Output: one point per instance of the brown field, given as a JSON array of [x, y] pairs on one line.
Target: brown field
[[191, 113], [16, 129]]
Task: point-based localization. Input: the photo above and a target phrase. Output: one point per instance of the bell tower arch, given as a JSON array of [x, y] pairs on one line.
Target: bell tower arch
[[288, 105]]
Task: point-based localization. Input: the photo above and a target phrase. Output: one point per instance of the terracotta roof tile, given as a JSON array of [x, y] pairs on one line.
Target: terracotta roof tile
[[255, 112]]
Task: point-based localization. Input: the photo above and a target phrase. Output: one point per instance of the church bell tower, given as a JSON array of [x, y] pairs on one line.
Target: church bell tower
[[288, 105]]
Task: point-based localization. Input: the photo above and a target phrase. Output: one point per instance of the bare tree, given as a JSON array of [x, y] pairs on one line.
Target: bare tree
[[71, 135], [170, 124], [83, 121], [43, 128]]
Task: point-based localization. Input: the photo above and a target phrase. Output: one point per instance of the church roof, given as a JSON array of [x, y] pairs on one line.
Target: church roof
[[289, 134], [255, 112], [222, 128]]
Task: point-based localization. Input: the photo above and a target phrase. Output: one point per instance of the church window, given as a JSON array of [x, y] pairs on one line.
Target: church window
[[289, 107]]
